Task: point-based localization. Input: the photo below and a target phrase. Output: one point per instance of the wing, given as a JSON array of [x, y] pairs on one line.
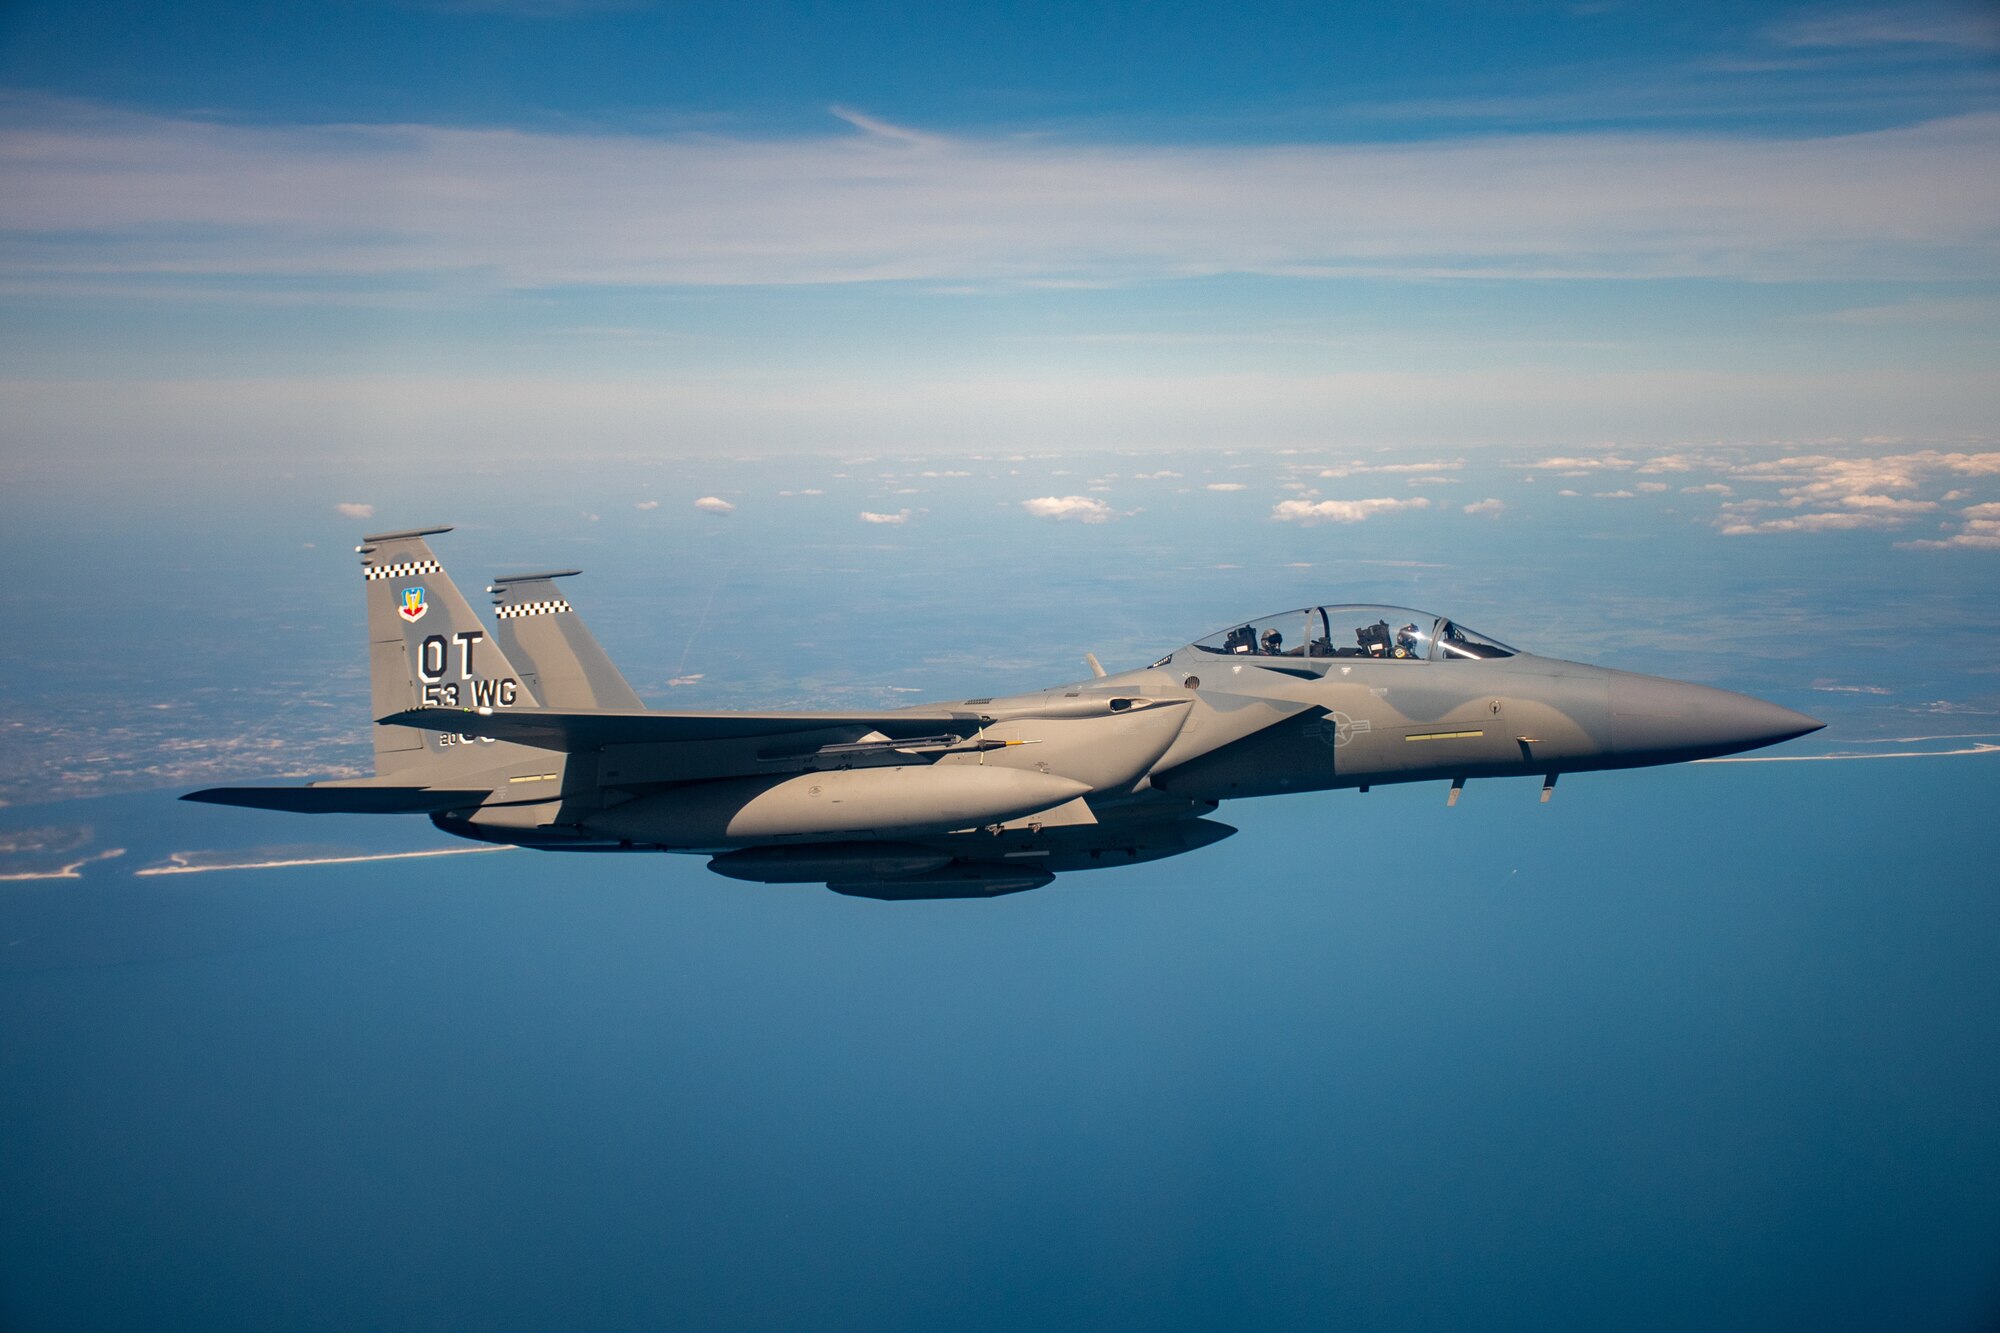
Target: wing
[[592, 729]]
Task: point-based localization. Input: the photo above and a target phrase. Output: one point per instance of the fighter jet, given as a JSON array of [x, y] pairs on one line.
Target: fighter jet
[[530, 736]]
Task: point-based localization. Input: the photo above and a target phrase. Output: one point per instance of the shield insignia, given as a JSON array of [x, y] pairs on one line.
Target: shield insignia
[[414, 606]]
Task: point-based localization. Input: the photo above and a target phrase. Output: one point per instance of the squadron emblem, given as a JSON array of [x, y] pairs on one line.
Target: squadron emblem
[[414, 606]]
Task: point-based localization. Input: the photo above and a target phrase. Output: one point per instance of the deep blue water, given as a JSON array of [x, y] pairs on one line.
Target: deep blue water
[[1692, 1048]]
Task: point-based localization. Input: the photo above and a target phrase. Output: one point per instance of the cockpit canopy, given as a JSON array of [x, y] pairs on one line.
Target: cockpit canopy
[[1391, 633]]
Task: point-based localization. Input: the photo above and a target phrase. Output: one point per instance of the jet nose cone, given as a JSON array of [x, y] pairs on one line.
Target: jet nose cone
[[1771, 723], [1677, 720]]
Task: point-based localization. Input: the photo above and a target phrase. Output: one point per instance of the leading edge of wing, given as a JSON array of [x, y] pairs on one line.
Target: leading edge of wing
[[590, 729]]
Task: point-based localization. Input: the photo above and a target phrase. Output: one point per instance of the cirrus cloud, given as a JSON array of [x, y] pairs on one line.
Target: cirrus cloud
[[183, 198]]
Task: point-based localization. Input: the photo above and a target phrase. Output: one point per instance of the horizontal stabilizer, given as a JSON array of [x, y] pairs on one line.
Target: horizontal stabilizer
[[556, 729], [341, 800]]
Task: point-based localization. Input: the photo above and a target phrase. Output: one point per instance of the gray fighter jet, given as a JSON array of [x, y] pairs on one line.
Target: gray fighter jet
[[531, 737]]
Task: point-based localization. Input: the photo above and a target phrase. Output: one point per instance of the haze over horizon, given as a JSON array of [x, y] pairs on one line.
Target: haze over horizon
[[522, 225]]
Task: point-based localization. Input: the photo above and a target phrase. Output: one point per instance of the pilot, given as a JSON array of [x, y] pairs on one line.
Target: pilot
[[1406, 641], [1274, 643]]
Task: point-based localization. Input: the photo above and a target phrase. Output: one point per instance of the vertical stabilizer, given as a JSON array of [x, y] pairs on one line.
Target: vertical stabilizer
[[426, 648], [561, 663]]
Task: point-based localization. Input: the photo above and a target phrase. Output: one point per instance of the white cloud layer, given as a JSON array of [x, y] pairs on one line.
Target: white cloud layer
[[1576, 465], [1857, 486], [1981, 535], [1823, 477], [1079, 508], [1817, 522], [351, 510], [900, 516], [714, 504], [94, 193], [1340, 511], [1356, 469], [1980, 530]]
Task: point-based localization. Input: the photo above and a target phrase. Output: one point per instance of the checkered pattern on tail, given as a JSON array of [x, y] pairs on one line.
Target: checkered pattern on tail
[[400, 569], [551, 607]]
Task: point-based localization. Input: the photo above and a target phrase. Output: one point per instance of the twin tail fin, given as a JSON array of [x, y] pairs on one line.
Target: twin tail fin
[[427, 649], [562, 665]]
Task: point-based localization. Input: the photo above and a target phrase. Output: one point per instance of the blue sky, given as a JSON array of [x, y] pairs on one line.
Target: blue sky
[[232, 232], [1160, 72]]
